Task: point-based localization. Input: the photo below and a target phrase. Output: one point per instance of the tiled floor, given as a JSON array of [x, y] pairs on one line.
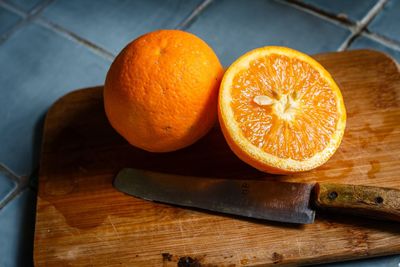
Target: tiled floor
[[111, 26], [387, 22], [7, 20], [353, 10], [26, 5], [8, 183], [48, 48], [34, 82], [299, 30]]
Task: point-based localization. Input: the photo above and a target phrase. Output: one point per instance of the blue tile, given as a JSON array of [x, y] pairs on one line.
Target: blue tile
[[36, 68], [388, 20], [388, 261], [354, 10], [6, 185], [364, 42], [235, 27], [26, 5], [17, 221], [7, 20], [113, 24]]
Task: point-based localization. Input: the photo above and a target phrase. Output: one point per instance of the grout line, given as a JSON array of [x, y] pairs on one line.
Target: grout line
[[16, 26], [12, 195], [395, 45], [347, 42], [19, 11], [34, 15], [324, 15], [362, 24], [320, 13], [372, 13], [9, 173], [14, 9], [356, 28], [193, 16], [39, 8], [76, 38], [27, 17], [20, 181]]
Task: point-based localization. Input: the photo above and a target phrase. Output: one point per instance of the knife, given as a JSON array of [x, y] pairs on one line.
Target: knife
[[260, 199]]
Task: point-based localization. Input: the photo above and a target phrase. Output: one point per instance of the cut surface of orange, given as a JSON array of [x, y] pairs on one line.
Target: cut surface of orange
[[281, 111]]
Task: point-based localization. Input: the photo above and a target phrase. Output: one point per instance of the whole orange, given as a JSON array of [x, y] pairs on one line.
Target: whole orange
[[161, 91]]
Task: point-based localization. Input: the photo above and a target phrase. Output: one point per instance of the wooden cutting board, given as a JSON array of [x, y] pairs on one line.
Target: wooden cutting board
[[83, 221]]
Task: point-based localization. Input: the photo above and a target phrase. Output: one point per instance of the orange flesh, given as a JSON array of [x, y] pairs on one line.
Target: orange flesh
[[303, 121]]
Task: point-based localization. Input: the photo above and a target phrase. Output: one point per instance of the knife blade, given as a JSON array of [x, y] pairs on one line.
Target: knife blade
[[260, 199]]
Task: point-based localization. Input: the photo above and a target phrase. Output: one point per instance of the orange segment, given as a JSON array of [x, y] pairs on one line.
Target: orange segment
[[281, 111]]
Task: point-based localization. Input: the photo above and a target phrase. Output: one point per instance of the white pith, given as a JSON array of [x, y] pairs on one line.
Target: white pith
[[285, 107]]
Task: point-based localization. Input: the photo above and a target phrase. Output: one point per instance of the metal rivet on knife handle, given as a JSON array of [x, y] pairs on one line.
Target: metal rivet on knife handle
[[376, 202], [332, 195]]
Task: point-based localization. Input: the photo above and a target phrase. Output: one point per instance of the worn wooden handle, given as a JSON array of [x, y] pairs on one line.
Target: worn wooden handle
[[376, 202]]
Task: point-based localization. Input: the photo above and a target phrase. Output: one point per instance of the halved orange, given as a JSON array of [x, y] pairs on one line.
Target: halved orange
[[281, 111]]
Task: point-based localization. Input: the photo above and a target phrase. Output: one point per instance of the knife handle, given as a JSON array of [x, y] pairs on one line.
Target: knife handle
[[369, 201]]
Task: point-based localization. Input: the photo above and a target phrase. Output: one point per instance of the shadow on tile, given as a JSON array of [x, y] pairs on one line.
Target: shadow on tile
[[37, 139], [17, 222], [41, 67]]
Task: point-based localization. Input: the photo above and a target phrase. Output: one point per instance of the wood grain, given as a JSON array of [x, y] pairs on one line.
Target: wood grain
[[83, 221], [370, 201]]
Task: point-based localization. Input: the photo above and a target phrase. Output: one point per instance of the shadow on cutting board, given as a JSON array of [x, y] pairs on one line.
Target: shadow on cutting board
[[81, 154]]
